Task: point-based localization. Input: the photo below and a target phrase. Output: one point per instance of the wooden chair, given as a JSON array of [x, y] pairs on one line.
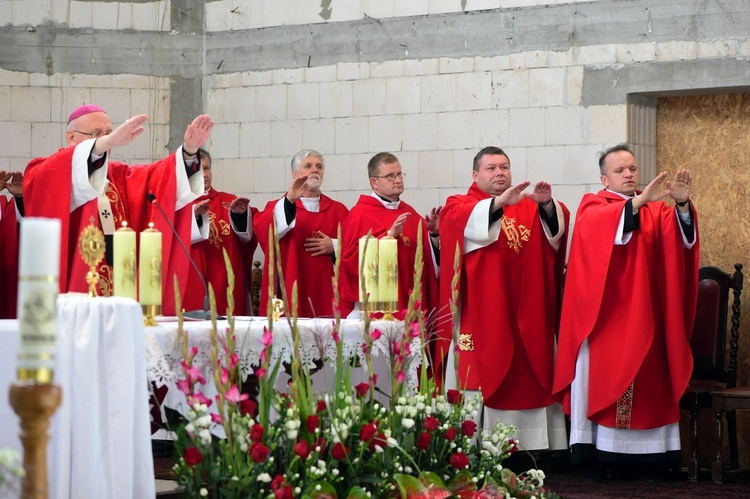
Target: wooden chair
[[708, 342], [727, 401]]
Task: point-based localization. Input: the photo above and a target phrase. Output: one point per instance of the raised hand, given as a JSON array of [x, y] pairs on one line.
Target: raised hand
[[541, 194], [201, 208], [510, 196], [652, 192], [120, 136], [320, 245], [433, 219], [679, 187], [239, 205], [297, 189], [13, 181], [398, 225], [197, 133]]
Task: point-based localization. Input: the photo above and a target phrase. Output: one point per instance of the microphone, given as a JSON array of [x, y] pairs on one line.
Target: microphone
[[193, 314]]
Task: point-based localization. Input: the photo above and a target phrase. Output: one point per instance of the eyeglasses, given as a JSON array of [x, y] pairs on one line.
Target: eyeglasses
[[95, 135], [391, 177]]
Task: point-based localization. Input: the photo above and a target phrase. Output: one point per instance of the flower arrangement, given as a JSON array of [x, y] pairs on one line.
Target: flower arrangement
[[11, 473], [341, 444]]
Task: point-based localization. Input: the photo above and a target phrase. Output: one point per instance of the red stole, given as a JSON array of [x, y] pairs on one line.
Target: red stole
[[509, 301], [370, 214], [637, 317], [313, 274], [209, 257]]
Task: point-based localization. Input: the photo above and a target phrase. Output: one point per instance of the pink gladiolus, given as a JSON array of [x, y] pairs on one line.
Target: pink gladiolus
[[375, 334], [216, 418], [400, 377], [194, 351], [260, 372], [414, 331], [184, 386], [234, 359], [407, 348], [234, 396], [335, 336], [193, 373], [267, 337], [224, 375], [199, 398]]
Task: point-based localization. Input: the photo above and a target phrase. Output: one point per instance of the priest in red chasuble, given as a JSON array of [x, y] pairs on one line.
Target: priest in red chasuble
[[624, 358], [512, 245], [11, 211], [384, 213], [224, 222], [307, 223], [79, 183]]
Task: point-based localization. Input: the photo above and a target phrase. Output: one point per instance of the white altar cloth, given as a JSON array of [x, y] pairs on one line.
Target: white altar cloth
[[100, 443], [164, 352]]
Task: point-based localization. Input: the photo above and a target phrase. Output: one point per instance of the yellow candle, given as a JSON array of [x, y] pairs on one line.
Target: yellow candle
[[388, 269], [124, 265], [149, 272], [38, 274], [370, 258]]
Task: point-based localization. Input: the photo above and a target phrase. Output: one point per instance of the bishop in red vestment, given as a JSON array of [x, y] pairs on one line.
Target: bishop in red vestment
[[307, 224], [225, 223], [383, 213], [79, 184], [624, 358], [513, 252]]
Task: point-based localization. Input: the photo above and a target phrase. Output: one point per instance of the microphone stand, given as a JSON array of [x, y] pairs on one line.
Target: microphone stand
[[204, 314]]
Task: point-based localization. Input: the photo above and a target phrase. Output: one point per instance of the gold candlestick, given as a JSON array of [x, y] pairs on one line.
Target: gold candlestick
[[35, 404]]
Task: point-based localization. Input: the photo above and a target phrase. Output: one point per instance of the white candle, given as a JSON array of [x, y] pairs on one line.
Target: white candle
[[149, 272], [388, 269], [38, 275], [370, 270], [124, 265]]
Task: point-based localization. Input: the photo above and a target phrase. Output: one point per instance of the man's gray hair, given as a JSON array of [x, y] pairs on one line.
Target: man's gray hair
[[303, 155]]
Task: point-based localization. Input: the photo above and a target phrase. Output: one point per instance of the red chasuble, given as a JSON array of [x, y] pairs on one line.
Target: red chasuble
[[47, 189], [209, 257], [509, 292], [370, 214], [9, 258], [635, 303], [313, 274]]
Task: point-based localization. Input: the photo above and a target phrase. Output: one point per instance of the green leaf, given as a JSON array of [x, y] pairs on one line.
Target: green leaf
[[357, 493], [326, 491], [435, 485]]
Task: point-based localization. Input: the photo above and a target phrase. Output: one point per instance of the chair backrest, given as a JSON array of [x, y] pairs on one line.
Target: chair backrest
[[709, 339]]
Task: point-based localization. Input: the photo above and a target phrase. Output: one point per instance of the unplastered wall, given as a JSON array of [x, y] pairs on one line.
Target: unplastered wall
[[145, 15], [248, 14], [34, 110]]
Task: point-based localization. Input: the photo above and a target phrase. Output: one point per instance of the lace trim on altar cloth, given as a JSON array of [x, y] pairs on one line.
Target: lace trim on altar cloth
[[164, 346]]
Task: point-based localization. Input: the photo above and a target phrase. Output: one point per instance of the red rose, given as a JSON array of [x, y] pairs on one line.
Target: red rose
[[450, 434], [430, 423], [277, 482], [468, 428], [256, 433], [423, 442], [339, 451], [247, 406], [193, 456], [321, 406], [378, 440], [322, 444], [302, 449], [284, 493], [362, 389], [311, 423], [455, 397], [259, 452], [367, 432], [459, 460]]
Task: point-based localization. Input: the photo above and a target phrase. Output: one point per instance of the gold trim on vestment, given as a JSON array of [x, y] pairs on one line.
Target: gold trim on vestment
[[515, 236], [465, 343], [624, 409]]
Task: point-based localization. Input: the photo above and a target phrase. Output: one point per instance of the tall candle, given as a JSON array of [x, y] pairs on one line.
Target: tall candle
[[124, 264], [149, 272], [370, 258], [388, 269], [38, 274]]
